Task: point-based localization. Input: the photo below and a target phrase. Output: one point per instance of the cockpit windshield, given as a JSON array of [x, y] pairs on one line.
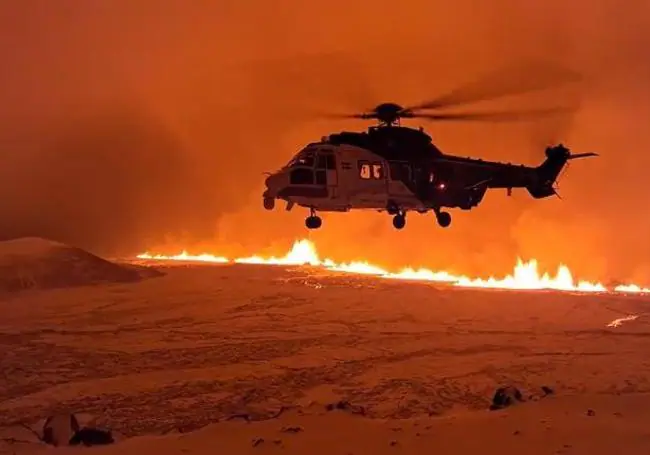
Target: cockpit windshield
[[305, 158]]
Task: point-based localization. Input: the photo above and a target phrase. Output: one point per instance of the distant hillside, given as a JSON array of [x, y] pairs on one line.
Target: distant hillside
[[35, 263]]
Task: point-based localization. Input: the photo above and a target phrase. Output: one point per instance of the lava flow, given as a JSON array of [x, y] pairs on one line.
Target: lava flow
[[525, 275]]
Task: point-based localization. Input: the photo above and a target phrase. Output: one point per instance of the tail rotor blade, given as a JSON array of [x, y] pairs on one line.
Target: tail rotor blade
[[582, 155]]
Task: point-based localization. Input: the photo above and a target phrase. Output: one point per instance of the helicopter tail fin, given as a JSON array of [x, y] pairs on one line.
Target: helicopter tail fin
[[547, 173]]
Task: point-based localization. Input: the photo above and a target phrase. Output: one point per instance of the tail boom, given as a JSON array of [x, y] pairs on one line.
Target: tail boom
[[546, 174]]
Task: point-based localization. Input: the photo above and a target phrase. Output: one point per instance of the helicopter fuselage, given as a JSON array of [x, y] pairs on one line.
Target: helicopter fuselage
[[338, 178], [397, 170]]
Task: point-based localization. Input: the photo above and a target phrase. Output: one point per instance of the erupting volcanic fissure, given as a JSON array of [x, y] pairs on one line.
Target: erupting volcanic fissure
[[525, 275]]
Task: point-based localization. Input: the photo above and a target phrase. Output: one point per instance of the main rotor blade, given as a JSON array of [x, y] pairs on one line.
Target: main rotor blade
[[502, 83], [497, 116], [330, 116], [335, 80]]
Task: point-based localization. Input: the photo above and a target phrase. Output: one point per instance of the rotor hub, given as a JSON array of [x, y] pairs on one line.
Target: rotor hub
[[389, 114]]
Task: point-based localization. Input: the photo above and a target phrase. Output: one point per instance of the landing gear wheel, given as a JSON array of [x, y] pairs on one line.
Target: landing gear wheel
[[313, 222], [399, 221], [269, 203], [444, 219]]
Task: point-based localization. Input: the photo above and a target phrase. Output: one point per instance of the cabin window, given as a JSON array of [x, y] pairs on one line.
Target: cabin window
[[373, 171], [321, 162], [301, 177], [364, 170], [377, 171]]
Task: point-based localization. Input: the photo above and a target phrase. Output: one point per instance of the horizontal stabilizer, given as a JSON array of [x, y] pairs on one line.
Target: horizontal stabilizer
[[581, 155]]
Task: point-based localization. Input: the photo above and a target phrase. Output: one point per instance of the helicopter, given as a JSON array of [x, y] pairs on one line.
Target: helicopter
[[397, 169]]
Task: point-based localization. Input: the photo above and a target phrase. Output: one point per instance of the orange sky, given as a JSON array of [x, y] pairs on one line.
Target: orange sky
[[127, 125]]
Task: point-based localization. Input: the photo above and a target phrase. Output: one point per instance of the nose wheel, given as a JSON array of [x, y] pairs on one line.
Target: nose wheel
[[399, 221], [313, 221], [444, 219]]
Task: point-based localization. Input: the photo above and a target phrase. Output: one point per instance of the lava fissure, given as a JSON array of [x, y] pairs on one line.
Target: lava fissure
[[525, 276]]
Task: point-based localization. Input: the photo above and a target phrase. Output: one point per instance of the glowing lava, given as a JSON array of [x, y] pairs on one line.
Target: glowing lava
[[525, 275], [184, 256]]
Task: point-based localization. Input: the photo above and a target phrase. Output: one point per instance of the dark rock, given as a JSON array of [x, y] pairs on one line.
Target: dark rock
[[296, 429], [346, 406], [92, 437], [257, 441], [591, 412], [547, 390], [59, 429], [506, 396]]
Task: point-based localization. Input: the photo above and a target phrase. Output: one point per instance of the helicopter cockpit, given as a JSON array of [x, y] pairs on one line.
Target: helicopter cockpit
[[303, 158], [301, 167], [306, 173], [309, 166]]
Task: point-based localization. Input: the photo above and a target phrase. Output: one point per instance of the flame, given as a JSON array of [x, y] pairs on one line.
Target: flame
[[526, 275], [185, 256]]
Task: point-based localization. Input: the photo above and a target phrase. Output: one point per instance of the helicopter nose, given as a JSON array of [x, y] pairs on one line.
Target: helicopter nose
[[275, 182], [271, 181]]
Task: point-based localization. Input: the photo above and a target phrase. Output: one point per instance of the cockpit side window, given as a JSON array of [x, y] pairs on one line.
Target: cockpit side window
[[331, 162], [326, 161]]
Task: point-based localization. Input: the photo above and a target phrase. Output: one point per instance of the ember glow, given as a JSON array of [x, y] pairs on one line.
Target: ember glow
[[526, 275]]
